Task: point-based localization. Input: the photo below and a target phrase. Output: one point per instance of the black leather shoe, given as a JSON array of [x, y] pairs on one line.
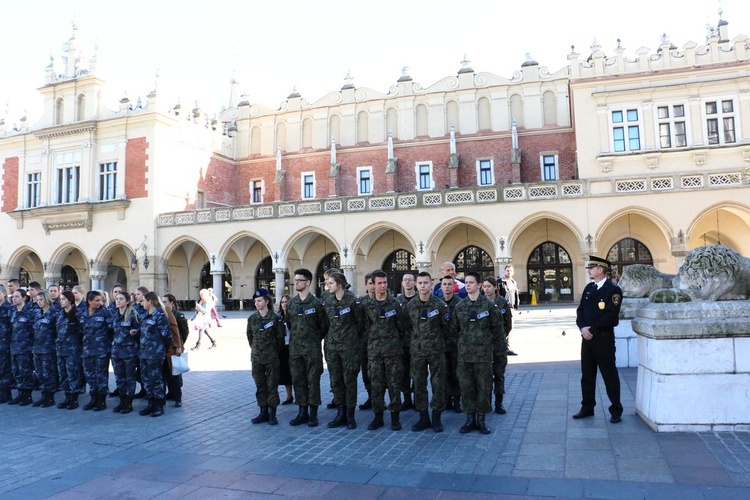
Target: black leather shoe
[[584, 414], [511, 353], [615, 419]]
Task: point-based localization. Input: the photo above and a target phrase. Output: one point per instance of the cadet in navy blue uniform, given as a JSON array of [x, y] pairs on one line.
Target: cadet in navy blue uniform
[[96, 323], [156, 337], [45, 362], [21, 340], [6, 372], [69, 346], [596, 317], [125, 347]]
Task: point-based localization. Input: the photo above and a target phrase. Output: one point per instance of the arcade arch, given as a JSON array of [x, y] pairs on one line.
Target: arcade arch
[[183, 261], [726, 224]]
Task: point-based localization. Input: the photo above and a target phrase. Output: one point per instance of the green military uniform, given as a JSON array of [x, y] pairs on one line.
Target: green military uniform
[[430, 324], [500, 349], [265, 334], [480, 329], [406, 359], [364, 300], [387, 324], [308, 324], [347, 325], [452, 387]]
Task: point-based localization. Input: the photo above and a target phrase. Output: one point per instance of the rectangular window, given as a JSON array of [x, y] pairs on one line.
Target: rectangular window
[[68, 166], [720, 127], [485, 173], [33, 189], [623, 122], [672, 129], [424, 176], [364, 180], [256, 192], [549, 167], [200, 199], [308, 185], [107, 181]]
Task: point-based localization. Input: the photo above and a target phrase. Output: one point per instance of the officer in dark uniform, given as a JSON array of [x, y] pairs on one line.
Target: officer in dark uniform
[[596, 317]]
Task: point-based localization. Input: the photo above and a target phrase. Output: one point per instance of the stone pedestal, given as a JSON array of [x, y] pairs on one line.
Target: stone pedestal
[[626, 340], [694, 366]]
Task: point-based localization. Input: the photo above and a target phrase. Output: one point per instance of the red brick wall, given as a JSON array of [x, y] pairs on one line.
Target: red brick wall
[[136, 154], [10, 184], [219, 183]]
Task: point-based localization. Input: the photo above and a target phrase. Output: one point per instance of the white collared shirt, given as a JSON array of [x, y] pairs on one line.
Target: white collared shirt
[[599, 284]]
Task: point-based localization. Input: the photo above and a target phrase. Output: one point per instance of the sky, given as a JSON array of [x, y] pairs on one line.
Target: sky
[[272, 46]]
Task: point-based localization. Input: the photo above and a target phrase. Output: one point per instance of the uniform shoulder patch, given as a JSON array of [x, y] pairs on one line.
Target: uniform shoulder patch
[[616, 299]]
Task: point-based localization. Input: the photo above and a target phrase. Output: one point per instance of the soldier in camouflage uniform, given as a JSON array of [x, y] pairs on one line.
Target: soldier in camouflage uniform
[[452, 388], [45, 363], [347, 325], [387, 324], [125, 350], [430, 324], [6, 372], [480, 328], [409, 292], [22, 338], [369, 294], [499, 355], [308, 325], [96, 324], [156, 337], [69, 348], [265, 334]]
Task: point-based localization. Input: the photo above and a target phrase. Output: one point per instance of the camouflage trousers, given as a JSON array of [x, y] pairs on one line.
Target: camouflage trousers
[[406, 379], [70, 371], [266, 377], [363, 361], [125, 374], [476, 386], [45, 367], [23, 370], [152, 379], [306, 371], [386, 372], [96, 370], [419, 372], [6, 372], [499, 362], [452, 387], [343, 368]]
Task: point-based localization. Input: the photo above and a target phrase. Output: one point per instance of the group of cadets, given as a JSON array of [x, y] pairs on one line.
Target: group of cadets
[[64, 340], [452, 334]]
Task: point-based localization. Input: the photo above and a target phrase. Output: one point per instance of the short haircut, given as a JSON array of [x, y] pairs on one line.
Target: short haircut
[[35, 285], [379, 274], [15, 281], [424, 274], [53, 286], [368, 277], [474, 275], [446, 277], [304, 272]]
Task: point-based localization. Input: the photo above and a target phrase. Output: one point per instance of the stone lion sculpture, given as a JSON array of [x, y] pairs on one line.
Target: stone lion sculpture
[[714, 272], [640, 280]]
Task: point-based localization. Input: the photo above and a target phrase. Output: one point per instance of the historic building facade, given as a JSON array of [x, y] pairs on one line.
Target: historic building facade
[[636, 159]]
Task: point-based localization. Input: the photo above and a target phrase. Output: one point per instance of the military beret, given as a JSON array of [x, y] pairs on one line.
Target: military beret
[[261, 292]]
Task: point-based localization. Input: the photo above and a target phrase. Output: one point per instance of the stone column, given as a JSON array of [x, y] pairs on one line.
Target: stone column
[[349, 274], [97, 280], [280, 273], [218, 286], [51, 279]]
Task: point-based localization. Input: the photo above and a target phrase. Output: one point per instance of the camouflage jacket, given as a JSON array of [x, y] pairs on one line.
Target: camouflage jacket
[[479, 328], [97, 332], [69, 335], [22, 324], [308, 324], [404, 301], [386, 327], [451, 340], [265, 334], [347, 322], [45, 332], [430, 325], [505, 311], [6, 310], [124, 345], [156, 336]]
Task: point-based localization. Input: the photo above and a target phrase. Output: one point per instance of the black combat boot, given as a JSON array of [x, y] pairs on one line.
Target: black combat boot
[[92, 402], [449, 402], [41, 399], [140, 394], [127, 406], [424, 421], [313, 420], [5, 396], [148, 410], [101, 401], [367, 405], [457, 407], [481, 424], [377, 422], [395, 421], [272, 420], [25, 398], [262, 416], [118, 408], [350, 422], [408, 405], [499, 405], [158, 408], [437, 424], [301, 418], [340, 419], [470, 424], [65, 403], [115, 393], [332, 404], [73, 401], [49, 399]]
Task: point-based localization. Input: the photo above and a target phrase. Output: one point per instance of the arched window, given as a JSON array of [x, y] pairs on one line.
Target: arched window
[[331, 260], [516, 110], [281, 135], [307, 129], [334, 131], [81, 107], [550, 108], [475, 259], [59, 111], [422, 121], [625, 252], [255, 141], [68, 278], [550, 273], [207, 281], [396, 265], [363, 127], [391, 122], [265, 277], [451, 116], [483, 114]]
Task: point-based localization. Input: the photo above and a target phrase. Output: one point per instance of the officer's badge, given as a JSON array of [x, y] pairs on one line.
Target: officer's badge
[[616, 299], [602, 305]]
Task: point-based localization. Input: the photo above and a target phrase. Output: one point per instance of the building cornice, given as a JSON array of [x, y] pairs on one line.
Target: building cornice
[[66, 130]]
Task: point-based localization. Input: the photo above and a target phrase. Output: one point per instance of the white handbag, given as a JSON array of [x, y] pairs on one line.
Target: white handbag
[[180, 364]]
